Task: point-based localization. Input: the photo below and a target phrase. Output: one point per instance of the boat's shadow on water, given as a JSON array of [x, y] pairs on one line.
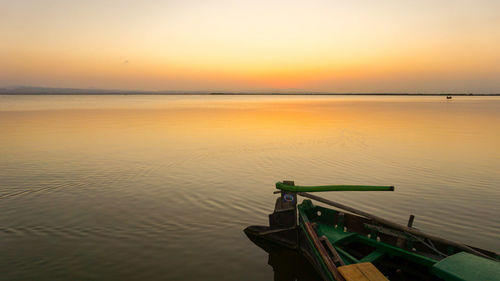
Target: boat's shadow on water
[[288, 265]]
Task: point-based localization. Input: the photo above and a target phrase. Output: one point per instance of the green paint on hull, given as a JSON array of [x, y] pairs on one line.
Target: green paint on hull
[[363, 246], [464, 266]]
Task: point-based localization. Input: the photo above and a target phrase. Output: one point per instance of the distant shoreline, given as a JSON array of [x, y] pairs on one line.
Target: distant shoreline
[[82, 91], [351, 94], [231, 94]]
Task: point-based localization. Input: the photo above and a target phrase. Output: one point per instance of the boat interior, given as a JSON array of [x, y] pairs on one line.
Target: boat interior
[[357, 240]]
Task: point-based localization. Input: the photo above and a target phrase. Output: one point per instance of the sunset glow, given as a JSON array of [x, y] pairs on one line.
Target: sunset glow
[[324, 46]]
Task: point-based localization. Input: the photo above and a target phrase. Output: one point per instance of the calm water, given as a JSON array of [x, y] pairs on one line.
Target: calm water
[[161, 187]]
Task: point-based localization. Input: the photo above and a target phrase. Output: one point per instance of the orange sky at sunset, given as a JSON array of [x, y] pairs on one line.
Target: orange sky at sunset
[[216, 45]]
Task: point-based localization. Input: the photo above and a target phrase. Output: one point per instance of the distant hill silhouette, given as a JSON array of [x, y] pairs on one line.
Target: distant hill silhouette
[[77, 91]]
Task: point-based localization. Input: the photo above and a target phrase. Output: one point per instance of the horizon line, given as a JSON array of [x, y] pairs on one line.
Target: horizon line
[[33, 90]]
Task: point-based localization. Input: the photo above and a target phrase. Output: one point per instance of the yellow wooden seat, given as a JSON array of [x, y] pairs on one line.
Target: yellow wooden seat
[[365, 271]]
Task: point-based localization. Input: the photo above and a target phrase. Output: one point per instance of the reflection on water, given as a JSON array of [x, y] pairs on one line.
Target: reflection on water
[[161, 187], [287, 264]]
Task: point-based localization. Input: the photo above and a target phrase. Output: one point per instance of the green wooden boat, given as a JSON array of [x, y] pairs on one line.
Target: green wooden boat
[[346, 244]]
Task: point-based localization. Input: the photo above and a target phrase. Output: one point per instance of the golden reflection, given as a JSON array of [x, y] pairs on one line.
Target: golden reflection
[[326, 123]]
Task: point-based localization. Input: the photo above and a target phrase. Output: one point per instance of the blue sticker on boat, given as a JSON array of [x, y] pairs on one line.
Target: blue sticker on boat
[[288, 197]]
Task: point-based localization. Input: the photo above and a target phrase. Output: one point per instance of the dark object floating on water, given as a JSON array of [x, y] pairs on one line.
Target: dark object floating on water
[[357, 245], [448, 97]]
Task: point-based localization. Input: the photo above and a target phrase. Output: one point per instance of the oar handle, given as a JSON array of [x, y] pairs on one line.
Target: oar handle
[[298, 188]]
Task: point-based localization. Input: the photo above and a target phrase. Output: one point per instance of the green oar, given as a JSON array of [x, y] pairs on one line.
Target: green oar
[[298, 188]]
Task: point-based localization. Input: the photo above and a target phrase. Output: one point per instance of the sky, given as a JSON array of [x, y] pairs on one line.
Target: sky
[[252, 45]]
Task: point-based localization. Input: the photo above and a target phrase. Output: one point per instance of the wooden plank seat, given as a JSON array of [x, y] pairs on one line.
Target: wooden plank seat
[[365, 271]]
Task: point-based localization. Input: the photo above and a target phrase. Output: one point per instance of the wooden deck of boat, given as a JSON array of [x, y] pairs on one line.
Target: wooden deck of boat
[[365, 271]]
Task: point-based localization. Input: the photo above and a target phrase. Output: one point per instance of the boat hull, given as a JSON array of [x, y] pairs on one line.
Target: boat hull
[[292, 239], [356, 239]]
